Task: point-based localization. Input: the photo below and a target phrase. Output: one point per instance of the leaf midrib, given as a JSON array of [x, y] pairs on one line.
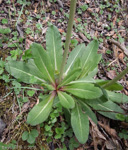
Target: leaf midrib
[[43, 108], [28, 74], [54, 50], [79, 121], [88, 56], [83, 90], [63, 97], [73, 60], [45, 68]]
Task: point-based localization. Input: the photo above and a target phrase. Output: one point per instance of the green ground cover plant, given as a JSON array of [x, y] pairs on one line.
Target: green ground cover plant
[[68, 81]]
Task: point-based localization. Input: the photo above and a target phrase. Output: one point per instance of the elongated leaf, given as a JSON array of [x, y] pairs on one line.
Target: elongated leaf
[[71, 76], [40, 112], [54, 47], [108, 109], [88, 111], [87, 79], [80, 124], [66, 100], [115, 86], [90, 65], [73, 56], [24, 71], [42, 61], [117, 97], [93, 73], [84, 90], [90, 58]]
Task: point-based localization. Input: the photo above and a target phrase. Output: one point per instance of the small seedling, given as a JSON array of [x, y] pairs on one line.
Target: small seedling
[[4, 21], [30, 137]]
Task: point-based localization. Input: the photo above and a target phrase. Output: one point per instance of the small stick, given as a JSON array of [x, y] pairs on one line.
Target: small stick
[[119, 45]]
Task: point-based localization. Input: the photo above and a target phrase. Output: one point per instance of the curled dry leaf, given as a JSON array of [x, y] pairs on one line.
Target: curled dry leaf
[[109, 130], [96, 132]]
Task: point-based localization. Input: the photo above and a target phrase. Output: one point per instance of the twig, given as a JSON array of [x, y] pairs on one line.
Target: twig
[[119, 45]]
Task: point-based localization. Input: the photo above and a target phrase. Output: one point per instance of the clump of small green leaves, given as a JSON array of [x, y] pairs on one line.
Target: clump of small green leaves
[[72, 84], [30, 136], [11, 145], [123, 134]]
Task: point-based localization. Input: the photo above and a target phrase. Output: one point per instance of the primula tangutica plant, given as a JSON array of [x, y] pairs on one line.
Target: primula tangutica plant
[[70, 82]]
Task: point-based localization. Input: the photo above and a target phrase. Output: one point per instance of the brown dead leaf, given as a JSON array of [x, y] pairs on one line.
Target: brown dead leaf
[[111, 74], [36, 5], [124, 125], [87, 1], [109, 130], [110, 145], [120, 23], [97, 10], [1, 1], [52, 20], [76, 21], [110, 33], [114, 36], [114, 20], [61, 30], [98, 137], [90, 10], [121, 58], [96, 132], [28, 43], [96, 34]]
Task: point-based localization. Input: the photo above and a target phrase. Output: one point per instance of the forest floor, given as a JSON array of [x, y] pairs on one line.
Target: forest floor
[[25, 22]]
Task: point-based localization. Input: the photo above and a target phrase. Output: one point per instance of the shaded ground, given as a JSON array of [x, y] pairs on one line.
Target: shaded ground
[[28, 22]]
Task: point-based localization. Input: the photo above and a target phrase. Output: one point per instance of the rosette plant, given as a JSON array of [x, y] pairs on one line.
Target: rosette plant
[[68, 78]]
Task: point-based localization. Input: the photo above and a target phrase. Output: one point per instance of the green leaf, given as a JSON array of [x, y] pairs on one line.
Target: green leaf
[[41, 111], [90, 66], [30, 92], [93, 73], [34, 133], [108, 109], [48, 86], [72, 75], [80, 124], [5, 30], [31, 139], [104, 97], [66, 100], [117, 97], [115, 86], [90, 58], [42, 61], [88, 111], [24, 71], [120, 117], [87, 79], [25, 135], [73, 56], [84, 90], [54, 47]]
